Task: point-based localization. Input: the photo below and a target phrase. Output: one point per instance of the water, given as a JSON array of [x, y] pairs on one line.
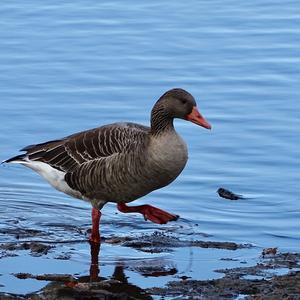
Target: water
[[66, 67]]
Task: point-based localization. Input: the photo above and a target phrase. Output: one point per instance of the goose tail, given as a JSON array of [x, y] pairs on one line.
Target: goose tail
[[16, 159]]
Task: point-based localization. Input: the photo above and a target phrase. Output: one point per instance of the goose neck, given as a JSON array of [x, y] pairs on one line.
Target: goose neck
[[161, 121]]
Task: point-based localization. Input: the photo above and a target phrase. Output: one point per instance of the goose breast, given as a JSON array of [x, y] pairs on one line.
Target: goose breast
[[167, 157]]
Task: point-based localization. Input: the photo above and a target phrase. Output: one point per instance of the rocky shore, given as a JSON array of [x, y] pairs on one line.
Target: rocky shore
[[275, 275]]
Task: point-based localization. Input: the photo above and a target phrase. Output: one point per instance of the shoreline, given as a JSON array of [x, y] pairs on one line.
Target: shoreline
[[275, 275]]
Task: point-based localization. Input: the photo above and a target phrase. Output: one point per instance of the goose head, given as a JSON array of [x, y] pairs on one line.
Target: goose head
[[177, 103]]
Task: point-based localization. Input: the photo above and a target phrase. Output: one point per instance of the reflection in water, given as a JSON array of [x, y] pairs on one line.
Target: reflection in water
[[94, 268], [119, 269], [116, 287]]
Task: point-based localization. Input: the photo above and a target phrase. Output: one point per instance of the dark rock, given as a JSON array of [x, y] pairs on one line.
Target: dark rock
[[224, 193], [37, 249]]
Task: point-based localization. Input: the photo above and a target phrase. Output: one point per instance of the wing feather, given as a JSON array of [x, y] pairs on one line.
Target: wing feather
[[69, 153], [92, 178]]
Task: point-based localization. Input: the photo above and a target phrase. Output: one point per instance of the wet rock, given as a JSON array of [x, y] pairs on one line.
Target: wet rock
[[269, 286], [11, 246], [224, 193], [154, 270], [281, 260], [269, 251], [4, 254], [21, 233], [47, 277], [229, 288], [184, 277], [218, 245], [63, 256], [86, 291], [161, 242], [153, 243], [37, 249], [117, 240], [67, 287]]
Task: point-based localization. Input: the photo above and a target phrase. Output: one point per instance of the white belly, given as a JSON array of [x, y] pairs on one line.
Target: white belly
[[55, 177]]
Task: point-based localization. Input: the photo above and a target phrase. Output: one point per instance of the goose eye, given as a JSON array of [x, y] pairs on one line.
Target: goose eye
[[183, 101]]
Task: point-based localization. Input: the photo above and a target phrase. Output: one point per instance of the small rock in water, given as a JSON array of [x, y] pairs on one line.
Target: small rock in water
[[269, 251], [228, 194]]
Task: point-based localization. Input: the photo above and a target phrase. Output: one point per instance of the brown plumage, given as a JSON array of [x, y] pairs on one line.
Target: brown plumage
[[119, 162]]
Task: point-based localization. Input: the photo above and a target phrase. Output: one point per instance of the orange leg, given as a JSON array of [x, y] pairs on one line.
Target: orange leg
[[95, 235], [149, 212]]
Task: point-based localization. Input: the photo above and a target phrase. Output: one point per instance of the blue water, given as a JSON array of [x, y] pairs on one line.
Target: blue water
[[70, 66]]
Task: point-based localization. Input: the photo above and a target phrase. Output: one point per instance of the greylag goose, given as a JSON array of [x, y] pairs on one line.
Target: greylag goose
[[120, 162]]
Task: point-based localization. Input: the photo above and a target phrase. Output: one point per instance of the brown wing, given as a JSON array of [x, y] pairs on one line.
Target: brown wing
[[71, 152]]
